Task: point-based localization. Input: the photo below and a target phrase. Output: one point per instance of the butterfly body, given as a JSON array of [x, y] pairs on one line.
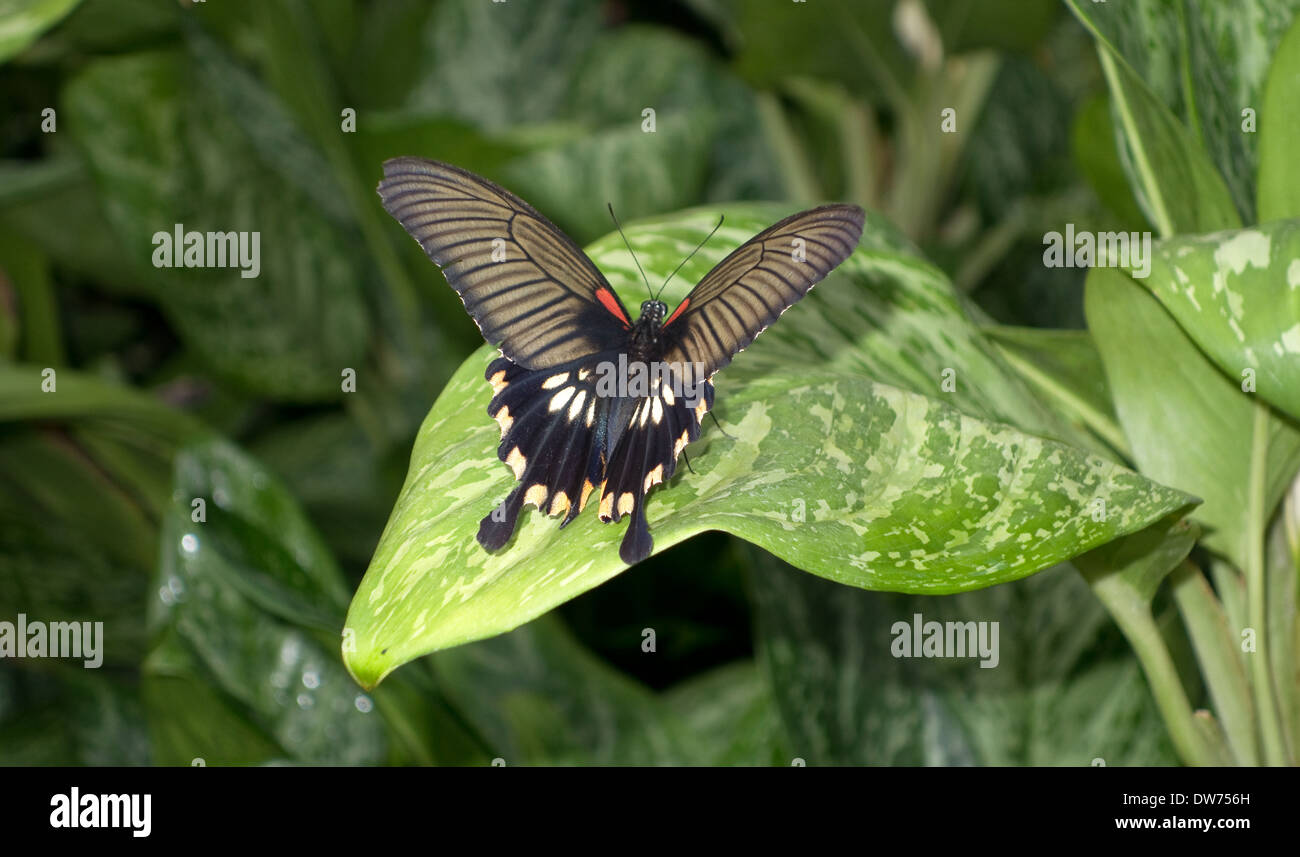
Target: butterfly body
[[591, 404]]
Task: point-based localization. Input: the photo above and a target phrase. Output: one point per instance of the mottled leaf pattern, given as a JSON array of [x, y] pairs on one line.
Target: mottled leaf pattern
[[1206, 62], [1054, 697], [1237, 295], [1187, 424], [895, 490], [231, 591], [288, 331], [1176, 181]]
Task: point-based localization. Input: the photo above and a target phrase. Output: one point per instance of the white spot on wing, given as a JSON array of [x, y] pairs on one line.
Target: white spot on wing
[[560, 399]]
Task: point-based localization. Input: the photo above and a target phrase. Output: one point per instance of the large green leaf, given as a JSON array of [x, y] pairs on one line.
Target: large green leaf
[[1206, 62], [164, 151], [1237, 296], [1185, 422], [239, 597], [846, 477], [1058, 690], [705, 142], [1174, 178]]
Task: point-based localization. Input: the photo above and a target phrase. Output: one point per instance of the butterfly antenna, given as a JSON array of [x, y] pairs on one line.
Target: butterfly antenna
[[688, 463], [619, 226], [692, 253]]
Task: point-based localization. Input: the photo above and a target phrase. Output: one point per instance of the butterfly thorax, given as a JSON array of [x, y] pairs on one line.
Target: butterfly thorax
[[645, 333]]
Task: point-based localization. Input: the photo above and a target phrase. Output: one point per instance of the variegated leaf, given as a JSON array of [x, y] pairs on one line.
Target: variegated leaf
[[1237, 295], [831, 470]]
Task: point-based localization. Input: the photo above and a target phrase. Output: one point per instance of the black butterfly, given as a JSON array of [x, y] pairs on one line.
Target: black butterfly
[[560, 329]]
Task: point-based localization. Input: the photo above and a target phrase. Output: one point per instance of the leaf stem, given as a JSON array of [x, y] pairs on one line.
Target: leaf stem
[[1221, 664], [1270, 724], [1133, 615], [1151, 188]]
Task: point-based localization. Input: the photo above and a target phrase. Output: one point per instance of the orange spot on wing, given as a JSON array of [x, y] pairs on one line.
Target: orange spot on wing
[[680, 307], [609, 302]]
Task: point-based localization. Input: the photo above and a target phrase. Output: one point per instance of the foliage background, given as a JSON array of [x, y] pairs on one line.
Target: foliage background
[[174, 384]]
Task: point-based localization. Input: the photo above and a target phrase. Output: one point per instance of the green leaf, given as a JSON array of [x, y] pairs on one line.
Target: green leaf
[[287, 332], [26, 270], [1221, 661], [65, 555], [481, 60], [1018, 25], [1065, 366], [1279, 128], [777, 40], [70, 717], [1020, 144], [899, 491], [23, 21], [1184, 420], [705, 141], [1175, 181], [1093, 140], [334, 470], [238, 598], [50, 476], [111, 26], [1237, 296], [58, 571], [80, 396], [733, 714], [44, 204], [387, 53], [1283, 582], [191, 721], [1060, 693], [640, 173], [538, 698], [1206, 63]]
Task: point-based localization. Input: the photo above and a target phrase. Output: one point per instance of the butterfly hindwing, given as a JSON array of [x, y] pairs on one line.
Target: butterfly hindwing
[[552, 436], [529, 288], [557, 435], [656, 429]]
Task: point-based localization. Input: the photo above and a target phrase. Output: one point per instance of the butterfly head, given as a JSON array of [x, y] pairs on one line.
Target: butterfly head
[[653, 311]]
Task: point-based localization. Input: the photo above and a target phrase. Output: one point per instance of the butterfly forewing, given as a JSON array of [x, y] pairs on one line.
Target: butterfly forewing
[[531, 291], [761, 279]]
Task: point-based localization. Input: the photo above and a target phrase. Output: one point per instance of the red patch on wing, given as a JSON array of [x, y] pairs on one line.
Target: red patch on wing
[[609, 302], [680, 307]]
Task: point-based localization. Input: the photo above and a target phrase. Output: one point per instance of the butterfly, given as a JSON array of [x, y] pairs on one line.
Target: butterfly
[[587, 399]]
